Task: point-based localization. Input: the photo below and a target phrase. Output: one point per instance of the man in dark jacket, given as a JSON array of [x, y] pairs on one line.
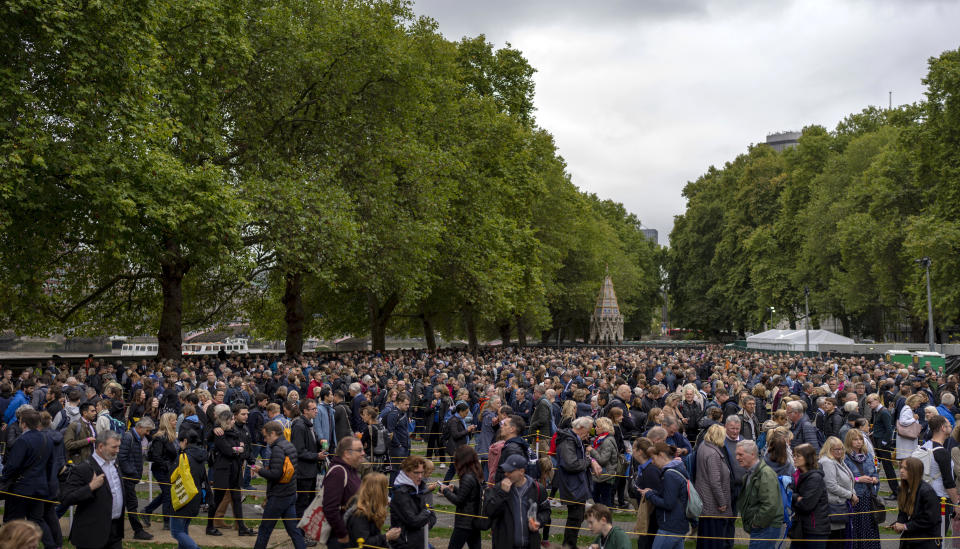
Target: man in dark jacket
[[281, 496], [30, 461], [882, 441], [541, 422], [507, 504], [832, 419], [304, 439], [341, 417], [397, 424], [130, 463], [80, 436], [94, 486], [339, 485], [514, 445], [803, 431], [574, 467]]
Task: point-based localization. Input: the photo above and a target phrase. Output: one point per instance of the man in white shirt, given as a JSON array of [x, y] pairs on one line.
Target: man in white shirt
[[94, 486]]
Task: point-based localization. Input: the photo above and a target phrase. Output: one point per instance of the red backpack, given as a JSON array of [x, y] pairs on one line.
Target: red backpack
[[553, 445]]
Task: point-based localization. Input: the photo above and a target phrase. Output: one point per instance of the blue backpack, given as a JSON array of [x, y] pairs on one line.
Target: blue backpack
[[786, 497]]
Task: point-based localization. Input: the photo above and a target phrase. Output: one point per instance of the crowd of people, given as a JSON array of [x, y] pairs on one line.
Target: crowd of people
[[686, 440]]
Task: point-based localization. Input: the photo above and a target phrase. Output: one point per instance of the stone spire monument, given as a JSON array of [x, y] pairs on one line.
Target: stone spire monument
[[606, 324]]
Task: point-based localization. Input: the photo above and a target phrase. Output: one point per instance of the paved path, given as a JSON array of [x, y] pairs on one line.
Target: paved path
[[279, 539]]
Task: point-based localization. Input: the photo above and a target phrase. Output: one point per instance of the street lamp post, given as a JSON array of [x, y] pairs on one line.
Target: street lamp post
[[806, 320], [772, 310], [925, 262]]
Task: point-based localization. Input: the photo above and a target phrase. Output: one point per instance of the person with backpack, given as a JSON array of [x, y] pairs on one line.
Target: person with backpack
[[712, 481], [398, 433], [937, 464], [760, 503], [281, 488], [467, 497], [865, 480], [513, 443], [163, 454], [517, 507], [376, 441], [670, 503]]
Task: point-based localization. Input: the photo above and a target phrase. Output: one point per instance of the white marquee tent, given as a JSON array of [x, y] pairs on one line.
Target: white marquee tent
[[794, 340]]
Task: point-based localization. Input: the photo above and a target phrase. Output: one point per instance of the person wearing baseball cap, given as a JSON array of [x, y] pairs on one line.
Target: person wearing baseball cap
[[517, 507]]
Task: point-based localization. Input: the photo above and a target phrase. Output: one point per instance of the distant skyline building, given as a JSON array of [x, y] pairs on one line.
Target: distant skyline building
[[651, 235], [783, 140]]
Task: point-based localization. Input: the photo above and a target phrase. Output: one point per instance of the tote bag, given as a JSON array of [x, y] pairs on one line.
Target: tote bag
[[183, 489]]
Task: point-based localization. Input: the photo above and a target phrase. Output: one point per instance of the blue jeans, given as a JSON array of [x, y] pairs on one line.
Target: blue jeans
[[451, 472], [765, 537], [672, 540], [279, 508], [178, 529]]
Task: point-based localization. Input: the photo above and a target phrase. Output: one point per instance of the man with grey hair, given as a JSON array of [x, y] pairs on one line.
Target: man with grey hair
[[357, 402], [130, 463], [94, 486], [803, 430], [542, 424], [574, 468], [760, 506]]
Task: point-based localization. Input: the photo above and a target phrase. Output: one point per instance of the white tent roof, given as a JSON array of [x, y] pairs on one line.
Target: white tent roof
[[795, 339], [799, 336]]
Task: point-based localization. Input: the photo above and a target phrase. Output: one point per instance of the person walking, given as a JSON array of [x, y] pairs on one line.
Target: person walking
[[760, 505], [370, 512], [28, 468], [865, 479], [713, 485], [670, 503], [339, 485], [840, 491], [281, 488], [130, 463], [882, 441], [304, 440], [229, 454], [466, 497], [517, 507], [408, 508], [163, 453], [80, 437], [188, 444], [812, 517], [94, 486], [918, 518]]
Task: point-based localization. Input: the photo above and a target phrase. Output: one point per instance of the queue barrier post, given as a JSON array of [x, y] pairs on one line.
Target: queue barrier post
[[943, 517]]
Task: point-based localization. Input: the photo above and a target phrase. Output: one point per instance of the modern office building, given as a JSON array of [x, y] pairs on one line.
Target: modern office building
[[783, 140]]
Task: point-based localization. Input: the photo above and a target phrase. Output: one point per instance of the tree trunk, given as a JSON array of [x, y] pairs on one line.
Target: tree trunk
[[169, 336], [521, 332], [471, 327], [293, 316], [504, 329], [428, 334], [793, 323], [546, 336], [845, 323], [379, 318]]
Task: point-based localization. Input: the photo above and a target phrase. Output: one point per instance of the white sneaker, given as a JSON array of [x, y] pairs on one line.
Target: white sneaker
[[258, 509], [555, 503], [443, 465]]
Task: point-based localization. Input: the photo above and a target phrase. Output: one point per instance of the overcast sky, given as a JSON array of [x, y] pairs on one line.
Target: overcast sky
[[644, 95]]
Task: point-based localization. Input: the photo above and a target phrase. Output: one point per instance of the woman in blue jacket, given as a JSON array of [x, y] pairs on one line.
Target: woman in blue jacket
[[670, 503]]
